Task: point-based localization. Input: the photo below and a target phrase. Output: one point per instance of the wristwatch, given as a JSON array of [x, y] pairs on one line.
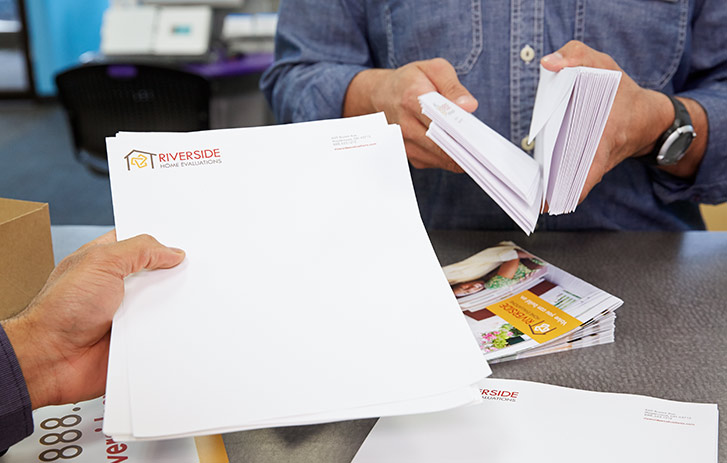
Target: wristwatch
[[673, 144]]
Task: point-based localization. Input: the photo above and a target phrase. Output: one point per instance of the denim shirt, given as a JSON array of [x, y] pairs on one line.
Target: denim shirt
[[675, 46]]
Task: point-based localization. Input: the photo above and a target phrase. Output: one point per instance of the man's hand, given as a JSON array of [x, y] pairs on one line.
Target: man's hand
[[395, 92], [62, 338], [638, 117]]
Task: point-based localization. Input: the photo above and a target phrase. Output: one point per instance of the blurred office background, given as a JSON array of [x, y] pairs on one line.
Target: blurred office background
[[229, 42], [40, 38]]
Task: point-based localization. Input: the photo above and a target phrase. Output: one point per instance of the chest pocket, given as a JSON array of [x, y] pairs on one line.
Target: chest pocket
[[426, 29], [645, 37]]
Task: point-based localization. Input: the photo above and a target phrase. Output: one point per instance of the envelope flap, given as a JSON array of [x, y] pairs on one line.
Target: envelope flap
[[553, 88]]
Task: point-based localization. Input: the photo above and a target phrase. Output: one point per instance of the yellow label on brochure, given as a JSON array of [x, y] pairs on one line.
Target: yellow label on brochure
[[538, 319]]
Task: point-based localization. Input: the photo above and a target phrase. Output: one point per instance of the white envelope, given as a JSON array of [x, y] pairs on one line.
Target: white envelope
[[532, 422]]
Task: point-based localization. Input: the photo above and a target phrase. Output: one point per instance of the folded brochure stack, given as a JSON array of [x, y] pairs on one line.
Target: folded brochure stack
[[518, 305]]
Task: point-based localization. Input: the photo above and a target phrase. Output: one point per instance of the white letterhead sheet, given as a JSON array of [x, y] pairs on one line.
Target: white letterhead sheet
[[532, 422], [307, 267]]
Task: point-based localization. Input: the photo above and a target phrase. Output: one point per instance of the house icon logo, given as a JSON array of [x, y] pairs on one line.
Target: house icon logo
[[444, 108], [541, 328], [139, 159]]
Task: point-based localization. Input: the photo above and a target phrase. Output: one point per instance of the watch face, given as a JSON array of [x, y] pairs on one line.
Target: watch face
[[676, 145]]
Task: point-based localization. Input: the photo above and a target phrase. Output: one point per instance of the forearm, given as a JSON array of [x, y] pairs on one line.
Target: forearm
[[37, 366], [316, 57], [359, 95], [305, 92]]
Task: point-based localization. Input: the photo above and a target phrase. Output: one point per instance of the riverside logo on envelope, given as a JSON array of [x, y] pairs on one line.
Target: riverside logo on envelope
[[570, 113], [533, 422], [288, 308]]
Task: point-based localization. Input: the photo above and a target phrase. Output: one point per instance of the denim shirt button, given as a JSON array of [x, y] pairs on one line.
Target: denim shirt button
[[527, 146], [527, 53]]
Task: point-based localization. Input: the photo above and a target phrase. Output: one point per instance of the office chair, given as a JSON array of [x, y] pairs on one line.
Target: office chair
[[103, 99]]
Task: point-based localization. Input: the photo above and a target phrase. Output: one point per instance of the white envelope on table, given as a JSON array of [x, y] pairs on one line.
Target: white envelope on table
[[526, 421]]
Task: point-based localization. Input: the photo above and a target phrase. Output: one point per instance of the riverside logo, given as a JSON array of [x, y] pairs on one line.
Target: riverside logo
[[445, 109], [499, 394], [144, 160]]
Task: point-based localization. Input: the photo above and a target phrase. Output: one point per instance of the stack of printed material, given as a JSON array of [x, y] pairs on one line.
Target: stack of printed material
[[525, 421], [519, 306], [303, 244], [73, 433], [571, 110]]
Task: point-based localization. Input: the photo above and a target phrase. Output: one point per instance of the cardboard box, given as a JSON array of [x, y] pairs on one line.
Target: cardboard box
[[26, 253]]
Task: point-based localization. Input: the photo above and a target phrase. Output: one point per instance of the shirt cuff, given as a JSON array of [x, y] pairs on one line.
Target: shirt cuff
[[710, 184], [16, 412]]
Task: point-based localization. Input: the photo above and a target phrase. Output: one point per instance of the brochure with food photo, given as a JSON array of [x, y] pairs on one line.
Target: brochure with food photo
[[518, 305]]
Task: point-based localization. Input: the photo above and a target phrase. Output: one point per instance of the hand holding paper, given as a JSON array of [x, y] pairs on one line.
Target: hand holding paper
[[62, 338], [395, 92], [638, 117], [303, 242], [571, 109]]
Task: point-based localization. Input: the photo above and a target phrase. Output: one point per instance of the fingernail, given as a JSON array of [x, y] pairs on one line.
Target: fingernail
[[553, 58], [177, 250], [465, 100]]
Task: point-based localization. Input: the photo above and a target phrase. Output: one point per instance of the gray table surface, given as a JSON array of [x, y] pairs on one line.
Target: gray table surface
[[671, 332]]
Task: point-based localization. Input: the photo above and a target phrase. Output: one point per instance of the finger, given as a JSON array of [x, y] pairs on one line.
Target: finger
[[444, 78], [106, 238], [422, 152], [425, 154], [553, 62], [139, 253], [415, 110], [575, 53]]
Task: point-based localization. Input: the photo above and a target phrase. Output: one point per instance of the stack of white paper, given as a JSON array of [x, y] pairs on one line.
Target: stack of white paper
[[307, 268], [571, 110], [495, 274], [524, 421]]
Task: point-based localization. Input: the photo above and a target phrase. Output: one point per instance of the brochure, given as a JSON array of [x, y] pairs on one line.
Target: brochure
[[73, 433], [533, 422], [570, 114], [518, 305]]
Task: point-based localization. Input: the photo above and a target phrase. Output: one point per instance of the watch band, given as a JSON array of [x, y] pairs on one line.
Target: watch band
[[681, 120]]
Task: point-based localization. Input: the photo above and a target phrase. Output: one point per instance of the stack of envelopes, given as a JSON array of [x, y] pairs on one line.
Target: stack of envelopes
[[570, 114]]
